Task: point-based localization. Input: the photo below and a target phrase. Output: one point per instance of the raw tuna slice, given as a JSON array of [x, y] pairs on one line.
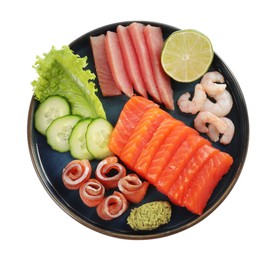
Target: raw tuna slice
[[155, 42], [128, 119], [136, 31], [141, 135], [105, 79], [131, 61], [202, 186], [116, 63], [180, 186]]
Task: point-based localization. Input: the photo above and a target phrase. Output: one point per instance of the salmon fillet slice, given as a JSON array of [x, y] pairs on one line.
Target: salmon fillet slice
[[127, 121], [204, 183], [141, 135], [154, 145], [178, 161], [180, 185], [171, 143]]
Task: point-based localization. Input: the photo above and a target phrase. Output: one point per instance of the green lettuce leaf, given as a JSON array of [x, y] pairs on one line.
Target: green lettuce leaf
[[61, 72]]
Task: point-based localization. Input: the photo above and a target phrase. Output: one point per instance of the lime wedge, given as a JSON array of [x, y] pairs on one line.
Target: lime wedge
[[186, 55]]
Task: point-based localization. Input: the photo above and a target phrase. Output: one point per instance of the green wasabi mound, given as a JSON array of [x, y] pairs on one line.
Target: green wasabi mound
[[150, 216]]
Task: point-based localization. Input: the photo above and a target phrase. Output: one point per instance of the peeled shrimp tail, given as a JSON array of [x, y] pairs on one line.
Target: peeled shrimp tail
[[213, 83], [221, 107], [227, 135], [188, 106], [213, 133], [206, 117]]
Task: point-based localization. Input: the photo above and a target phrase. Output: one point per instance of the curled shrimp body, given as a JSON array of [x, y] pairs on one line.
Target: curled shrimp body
[[194, 105], [205, 117], [228, 134], [213, 133], [221, 107], [213, 83]]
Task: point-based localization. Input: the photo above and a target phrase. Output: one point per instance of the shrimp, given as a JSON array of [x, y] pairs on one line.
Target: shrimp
[[228, 134], [213, 133], [205, 117], [221, 107], [209, 82], [188, 106]]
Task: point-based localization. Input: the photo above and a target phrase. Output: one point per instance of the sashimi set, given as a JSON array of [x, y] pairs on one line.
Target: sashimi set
[[123, 147]]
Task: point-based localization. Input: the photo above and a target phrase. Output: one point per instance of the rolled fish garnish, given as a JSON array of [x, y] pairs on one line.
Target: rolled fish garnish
[[92, 192], [112, 206], [133, 188], [105, 169], [76, 173]]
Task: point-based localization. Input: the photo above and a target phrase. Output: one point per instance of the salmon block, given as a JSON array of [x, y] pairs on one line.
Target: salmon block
[[116, 63], [127, 121], [141, 135], [155, 42], [169, 154], [180, 186], [170, 145], [136, 31], [179, 160], [130, 60], [105, 79], [201, 187], [154, 145]]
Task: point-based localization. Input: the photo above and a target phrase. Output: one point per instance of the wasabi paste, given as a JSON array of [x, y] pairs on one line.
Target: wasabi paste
[[150, 216]]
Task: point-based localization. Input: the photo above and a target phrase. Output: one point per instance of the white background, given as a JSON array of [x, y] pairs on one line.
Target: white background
[[32, 226]]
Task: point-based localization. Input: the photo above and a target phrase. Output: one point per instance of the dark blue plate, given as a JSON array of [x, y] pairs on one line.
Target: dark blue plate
[[49, 164]]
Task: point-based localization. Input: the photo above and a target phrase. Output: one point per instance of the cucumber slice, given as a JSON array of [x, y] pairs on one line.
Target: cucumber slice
[[59, 131], [50, 109], [77, 140], [97, 138]]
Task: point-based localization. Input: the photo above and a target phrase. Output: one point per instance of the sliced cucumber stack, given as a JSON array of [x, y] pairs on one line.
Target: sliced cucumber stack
[[50, 109], [97, 138], [59, 131], [77, 140], [85, 138]]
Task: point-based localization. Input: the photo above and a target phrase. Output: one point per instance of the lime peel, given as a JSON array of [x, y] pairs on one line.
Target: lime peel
[[187, 55]]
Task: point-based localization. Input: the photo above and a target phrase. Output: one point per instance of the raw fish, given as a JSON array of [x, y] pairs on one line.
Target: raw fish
[[116, 63], [155, 42], [130, 60], [105, 79], [136, 31]]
